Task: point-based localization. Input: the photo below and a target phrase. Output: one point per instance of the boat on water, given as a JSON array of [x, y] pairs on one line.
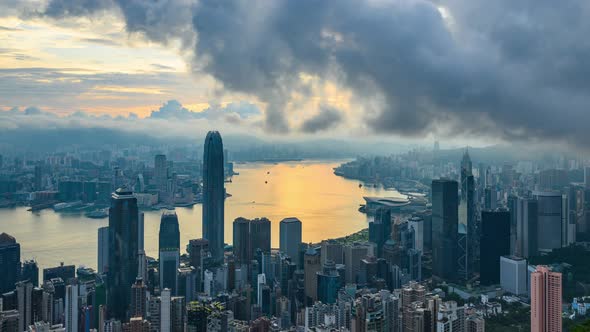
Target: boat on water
[[66, 206], [97, 214]]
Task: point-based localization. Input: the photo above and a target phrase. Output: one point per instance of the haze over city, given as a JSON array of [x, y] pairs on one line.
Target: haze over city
[[294, 165]]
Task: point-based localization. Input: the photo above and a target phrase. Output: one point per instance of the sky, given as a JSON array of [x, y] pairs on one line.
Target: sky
[[471, 71]]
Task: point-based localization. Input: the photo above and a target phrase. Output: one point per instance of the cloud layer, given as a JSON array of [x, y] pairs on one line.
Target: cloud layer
[[171, 120], [508, 69]]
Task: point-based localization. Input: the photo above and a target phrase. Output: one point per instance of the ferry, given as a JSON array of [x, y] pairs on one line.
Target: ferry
[[97, 214]]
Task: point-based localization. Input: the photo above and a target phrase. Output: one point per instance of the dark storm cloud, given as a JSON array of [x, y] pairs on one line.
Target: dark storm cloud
[[327, 118], [513, 69]]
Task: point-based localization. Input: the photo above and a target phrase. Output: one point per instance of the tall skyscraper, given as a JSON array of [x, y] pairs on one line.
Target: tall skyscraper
[[466, 237], [123, 252], [161, 172], [512, 205], [380, 229], [290, 238], [260, 235], [241, 243], [494, 243], [332, 250], [103, 249], [38, 177], [466, 171], [9, 262], [353, 254], [328, 283], [249, 236], [169, 249], [312, 266], [71, 309], [549, 214], [139, 293], [545, 300], [444, 228], [30, 272], [165, 305], [213, 194], [526, 227]]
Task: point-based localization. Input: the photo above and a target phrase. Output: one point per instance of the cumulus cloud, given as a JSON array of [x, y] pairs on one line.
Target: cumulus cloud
[[173, 109], [509, 69], [172, 121], [327, 118]]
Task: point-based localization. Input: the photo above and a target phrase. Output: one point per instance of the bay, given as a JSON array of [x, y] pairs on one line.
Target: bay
[[326, 204]]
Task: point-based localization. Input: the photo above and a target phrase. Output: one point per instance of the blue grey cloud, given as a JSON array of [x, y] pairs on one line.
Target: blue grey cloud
[[510, 69], [173, 109], [326, 118]]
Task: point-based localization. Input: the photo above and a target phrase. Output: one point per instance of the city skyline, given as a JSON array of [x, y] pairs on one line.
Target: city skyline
[[414, 245], [294, 166]]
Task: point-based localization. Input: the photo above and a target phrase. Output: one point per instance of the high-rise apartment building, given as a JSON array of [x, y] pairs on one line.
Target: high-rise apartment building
[[546, 292]]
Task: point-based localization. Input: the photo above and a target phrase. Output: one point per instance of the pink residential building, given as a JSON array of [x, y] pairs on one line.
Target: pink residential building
[[545, 300]]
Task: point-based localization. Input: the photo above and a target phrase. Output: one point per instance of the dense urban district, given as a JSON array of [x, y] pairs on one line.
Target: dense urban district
[[461, 247]]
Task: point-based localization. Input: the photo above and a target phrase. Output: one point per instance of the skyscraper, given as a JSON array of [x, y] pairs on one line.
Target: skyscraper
[[165, 305], [30, 272], [494, 243], [380, 228], [444, 228], [513, 274], [161, 172], [328, 281], [38, 177], [169, 249], [9, 262], [311, 267], [103, 249], [213, 194], [526, 227], [549, 214], [545, 300], [241, 243], [353, 254], [466, 171], [71, 310], [123, 252], [249, 236], [260, 235], [467, 237], [290, 238], [138, 299]]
